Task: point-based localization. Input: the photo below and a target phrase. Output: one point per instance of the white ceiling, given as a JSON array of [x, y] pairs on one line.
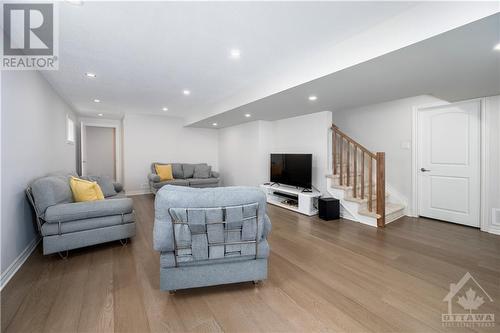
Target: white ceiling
[[145, 54], [456, 65]]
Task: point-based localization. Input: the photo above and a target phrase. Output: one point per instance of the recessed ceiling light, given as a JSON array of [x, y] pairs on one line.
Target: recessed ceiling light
[[164, 108], [91, 75], [97, 100], [214, 124], [313, 98], [235, 53], [497, 47], [248, 115], [75, 2], [100, 114], [186, 92]]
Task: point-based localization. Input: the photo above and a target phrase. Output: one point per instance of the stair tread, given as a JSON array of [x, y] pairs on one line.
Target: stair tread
[[359, 200], [350, 174], [350, 187], [389, 209]]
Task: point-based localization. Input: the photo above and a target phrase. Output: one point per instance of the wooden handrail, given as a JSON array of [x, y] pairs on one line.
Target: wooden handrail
[[342, 166], [348, 138]]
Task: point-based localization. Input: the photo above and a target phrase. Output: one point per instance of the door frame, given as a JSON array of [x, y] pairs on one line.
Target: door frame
[[482, 152], [109, 123]]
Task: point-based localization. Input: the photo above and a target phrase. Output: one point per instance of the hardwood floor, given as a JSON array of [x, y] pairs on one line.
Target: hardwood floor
[[323, 276]]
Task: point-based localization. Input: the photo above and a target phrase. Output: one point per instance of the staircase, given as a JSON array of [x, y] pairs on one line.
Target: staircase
[[358, 181]]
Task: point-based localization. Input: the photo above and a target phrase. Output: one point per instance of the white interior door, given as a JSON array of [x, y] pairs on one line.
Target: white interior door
[[449, 162]]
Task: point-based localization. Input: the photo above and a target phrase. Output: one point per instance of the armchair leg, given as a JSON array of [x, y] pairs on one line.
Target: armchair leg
[[64, 255], [124, 241], [172, 292], [256, 282]]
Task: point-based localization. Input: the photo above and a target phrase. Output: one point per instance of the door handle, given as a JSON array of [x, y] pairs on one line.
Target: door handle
[[424, 170]]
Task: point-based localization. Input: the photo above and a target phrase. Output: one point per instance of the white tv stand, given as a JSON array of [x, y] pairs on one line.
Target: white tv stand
[[307, 202]]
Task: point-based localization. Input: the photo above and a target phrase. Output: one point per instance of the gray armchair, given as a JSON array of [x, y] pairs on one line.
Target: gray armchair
[[65, 225], [190, 175], [210, 236]]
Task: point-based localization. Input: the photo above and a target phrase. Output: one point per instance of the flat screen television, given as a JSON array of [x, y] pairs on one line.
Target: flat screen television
[[292, 169]]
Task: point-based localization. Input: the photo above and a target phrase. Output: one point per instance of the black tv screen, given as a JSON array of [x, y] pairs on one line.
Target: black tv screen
[[292, 169]]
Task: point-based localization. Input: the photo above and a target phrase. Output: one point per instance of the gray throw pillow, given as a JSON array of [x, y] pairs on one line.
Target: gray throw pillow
[[188, 170], [177, 171], [202, 171], [105, 183]]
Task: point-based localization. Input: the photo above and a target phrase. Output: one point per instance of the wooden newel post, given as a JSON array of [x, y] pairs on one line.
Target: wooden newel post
[[381, 189], [334, 150]]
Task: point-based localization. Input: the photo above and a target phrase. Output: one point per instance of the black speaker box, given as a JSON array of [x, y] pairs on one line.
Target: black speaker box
[[329, 209]]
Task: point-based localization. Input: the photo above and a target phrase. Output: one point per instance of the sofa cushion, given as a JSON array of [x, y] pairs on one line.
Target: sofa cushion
[[49, 191], [203, 181], [90, 209], [202, 171], [164, 171], [86, 224], [177, 182], [85, 190], [106, 184], [177, 171], [188, 170]]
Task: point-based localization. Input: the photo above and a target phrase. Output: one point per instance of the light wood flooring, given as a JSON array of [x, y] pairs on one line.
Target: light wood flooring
[[334, 276]]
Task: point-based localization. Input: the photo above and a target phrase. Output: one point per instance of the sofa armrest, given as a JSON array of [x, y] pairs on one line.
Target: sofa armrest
[[214, 174], [154, 177], [267, 227], [118, 187], [90, 209]]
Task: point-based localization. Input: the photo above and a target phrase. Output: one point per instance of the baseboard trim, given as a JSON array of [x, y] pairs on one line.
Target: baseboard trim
[[18, 262], [137, 192], [493, 230]]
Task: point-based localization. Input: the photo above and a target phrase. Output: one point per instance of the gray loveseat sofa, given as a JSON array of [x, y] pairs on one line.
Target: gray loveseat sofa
[[210, 236], [65, 225], [191, 175]]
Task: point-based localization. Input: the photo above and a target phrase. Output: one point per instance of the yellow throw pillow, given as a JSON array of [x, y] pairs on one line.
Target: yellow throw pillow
[[164, 171], [84, 190]]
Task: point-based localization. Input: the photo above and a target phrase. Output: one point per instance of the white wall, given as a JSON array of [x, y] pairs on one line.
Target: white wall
[[244, 149], [243, 153], [308, 134], [492, 167], [33, 144], [386, 127], [148, 139]]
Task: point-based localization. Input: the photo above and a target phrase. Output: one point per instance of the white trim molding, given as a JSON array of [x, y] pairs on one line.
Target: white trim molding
[[18, 262], [484, 156], [485, 170], [102, 122], [488, 176]]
